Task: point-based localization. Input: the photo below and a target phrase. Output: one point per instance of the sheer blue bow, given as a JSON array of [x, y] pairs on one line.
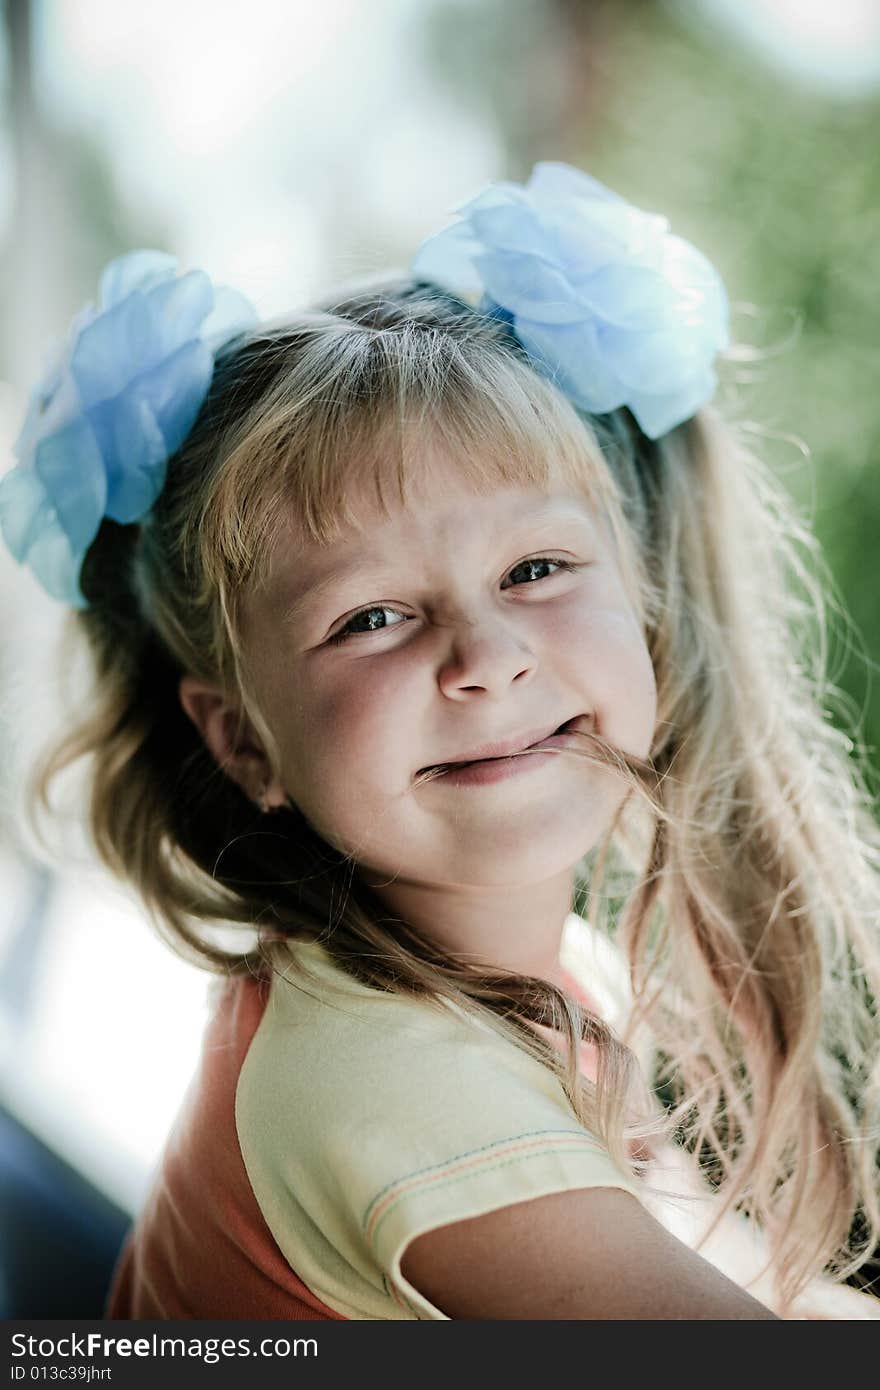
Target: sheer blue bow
[[605, 300], [119, 397]]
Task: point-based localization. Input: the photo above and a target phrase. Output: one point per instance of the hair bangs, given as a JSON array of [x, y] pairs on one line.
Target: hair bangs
[[392, 398]]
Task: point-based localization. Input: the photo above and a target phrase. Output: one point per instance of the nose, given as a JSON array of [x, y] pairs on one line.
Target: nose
[[485, 655]]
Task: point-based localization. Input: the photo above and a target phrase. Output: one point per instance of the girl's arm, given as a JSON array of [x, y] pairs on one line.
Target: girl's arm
[[587, 1254]]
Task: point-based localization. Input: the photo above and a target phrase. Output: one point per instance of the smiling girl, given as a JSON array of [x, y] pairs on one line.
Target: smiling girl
[[418, 619]]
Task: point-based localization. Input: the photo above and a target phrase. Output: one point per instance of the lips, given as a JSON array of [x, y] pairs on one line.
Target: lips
[[493, 752]]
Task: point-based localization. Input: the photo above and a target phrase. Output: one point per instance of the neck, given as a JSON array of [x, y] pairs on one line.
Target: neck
[[517, 928]]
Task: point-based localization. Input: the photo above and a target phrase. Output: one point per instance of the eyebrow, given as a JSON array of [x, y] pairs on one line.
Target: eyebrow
[[368, 567], [337, 577]]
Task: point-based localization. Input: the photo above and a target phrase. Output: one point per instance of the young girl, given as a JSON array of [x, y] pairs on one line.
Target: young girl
[[418, 621]]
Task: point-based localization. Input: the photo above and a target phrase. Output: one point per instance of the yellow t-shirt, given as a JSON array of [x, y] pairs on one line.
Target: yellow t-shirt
[[366, 1118]]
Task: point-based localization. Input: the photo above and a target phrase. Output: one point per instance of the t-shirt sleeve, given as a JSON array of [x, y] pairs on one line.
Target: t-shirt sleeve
[[370, 1120]]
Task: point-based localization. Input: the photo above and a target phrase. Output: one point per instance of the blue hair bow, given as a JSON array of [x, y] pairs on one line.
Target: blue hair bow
[[605, 300], [119, 397]]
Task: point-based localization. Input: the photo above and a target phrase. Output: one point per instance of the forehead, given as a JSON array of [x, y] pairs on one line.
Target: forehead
[[443, 507]]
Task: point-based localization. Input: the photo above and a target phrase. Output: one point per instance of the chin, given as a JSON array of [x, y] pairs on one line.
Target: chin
[[512, 864]]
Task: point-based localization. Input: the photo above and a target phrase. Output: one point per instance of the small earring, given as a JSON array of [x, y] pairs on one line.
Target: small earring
[[264, 805]]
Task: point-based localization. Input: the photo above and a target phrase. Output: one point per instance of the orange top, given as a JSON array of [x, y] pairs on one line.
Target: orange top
[[201, 1247], [323, 1130]]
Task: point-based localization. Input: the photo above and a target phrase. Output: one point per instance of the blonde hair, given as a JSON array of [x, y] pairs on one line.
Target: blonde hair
[[740, 875]]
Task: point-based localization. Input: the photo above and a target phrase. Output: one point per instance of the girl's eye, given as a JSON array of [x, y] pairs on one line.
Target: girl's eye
[[347, 630], [543, 560]]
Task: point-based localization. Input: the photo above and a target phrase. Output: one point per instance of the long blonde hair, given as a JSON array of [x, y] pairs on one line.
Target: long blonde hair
[[740, 876]]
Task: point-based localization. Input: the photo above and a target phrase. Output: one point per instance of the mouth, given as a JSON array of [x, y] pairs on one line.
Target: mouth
[[567, 727]]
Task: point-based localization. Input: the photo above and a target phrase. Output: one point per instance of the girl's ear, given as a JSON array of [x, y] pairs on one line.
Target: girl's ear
[[233, 742]]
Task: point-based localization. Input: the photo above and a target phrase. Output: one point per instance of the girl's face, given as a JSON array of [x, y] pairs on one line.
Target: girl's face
[[463, 620]]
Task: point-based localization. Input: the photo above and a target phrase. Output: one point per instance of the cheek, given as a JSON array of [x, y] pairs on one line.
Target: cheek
[[617, 674], [352, 727], [639, 708]]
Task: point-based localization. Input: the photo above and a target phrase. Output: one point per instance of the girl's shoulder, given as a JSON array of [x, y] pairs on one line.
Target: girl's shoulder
[[323, 1029], [330, 1022], [364, 1117]]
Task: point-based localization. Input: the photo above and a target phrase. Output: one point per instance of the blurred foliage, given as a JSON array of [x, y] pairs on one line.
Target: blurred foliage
[[778, 184]]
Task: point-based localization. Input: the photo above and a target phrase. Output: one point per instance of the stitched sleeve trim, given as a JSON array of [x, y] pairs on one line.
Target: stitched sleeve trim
[[521, 1168]]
